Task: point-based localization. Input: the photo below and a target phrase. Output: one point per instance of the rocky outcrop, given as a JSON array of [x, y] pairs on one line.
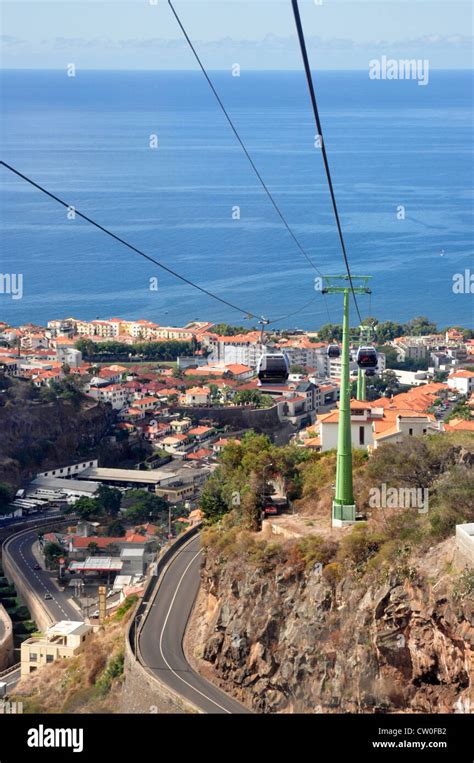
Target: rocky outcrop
[[38, 435], [287, 641]]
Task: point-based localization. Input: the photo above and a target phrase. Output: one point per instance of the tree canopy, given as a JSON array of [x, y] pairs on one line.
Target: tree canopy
[[239, 483]]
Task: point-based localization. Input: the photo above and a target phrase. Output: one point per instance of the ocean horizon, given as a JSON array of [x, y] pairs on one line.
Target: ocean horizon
[[401, 157]]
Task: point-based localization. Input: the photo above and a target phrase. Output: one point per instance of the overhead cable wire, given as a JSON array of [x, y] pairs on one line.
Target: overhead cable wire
[[127, 244], [243, 146], [247, 313], [309, 79]]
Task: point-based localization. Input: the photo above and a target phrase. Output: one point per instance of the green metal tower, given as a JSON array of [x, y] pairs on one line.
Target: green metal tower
[[343, 506]]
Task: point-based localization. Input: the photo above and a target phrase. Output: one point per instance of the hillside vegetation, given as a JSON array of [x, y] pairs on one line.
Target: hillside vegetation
[[376, 617], [91, 682]]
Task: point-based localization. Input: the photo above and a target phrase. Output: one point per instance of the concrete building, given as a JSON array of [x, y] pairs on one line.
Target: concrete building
[[62, 640], [133, 561], [56, 489], [177, 493], [69, 355], [148, 479], [408, 348], [71, 470]]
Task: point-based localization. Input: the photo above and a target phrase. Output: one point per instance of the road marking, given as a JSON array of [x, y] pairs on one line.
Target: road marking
[[40, 580], [161, 642]]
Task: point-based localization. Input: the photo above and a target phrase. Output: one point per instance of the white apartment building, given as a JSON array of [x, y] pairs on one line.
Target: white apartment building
[[174, 332], [411, 348], [242, 349], [115, 394], [333, 365], [69, 355], [309, 357]]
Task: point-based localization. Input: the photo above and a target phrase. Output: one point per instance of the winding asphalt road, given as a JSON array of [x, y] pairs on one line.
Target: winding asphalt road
[[162, 633], [59, 607]]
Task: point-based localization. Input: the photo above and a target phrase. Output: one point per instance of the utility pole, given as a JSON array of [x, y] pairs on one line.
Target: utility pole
[[343, 506]]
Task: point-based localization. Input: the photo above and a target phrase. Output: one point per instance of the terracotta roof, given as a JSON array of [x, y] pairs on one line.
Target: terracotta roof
[[459, 425], [198, 454], [200, 430], [78, 541], [312, 442], [253, 337], [238, 368], [462, 374], [197, 391]]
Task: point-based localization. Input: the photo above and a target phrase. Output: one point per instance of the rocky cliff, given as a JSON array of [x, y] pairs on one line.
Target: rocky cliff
[[37, 435], [285, 640]]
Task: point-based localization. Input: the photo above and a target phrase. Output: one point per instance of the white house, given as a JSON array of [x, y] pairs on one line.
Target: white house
[[196, 396], [462, 381]]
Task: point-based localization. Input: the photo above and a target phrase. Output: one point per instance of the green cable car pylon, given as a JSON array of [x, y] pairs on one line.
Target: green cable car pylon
[[343, 505]]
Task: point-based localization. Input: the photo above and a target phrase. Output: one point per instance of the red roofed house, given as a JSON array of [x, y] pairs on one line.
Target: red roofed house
[[462, 381], [371, 425], [459, 425], [198, 455], [146, 403], [196, 396], [111, 374], [240, 371], [200, 433], [219, 445]]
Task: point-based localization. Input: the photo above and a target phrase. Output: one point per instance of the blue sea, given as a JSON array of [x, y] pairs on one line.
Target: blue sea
[[391, 144]]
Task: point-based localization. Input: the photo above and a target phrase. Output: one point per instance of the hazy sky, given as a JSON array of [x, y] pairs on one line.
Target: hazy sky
[[143, 34]]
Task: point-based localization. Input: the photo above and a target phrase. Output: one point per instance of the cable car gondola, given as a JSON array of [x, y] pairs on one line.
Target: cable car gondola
[[273, 368], [333, 351], [367, 357]]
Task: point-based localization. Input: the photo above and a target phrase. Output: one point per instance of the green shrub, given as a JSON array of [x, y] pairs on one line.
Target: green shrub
[[113, 670], [360, 545], [314, 548], [129, 602]]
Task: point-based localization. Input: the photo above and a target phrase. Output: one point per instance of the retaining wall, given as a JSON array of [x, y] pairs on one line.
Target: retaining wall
[[238, 417], [15, 576], [143, 691]]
